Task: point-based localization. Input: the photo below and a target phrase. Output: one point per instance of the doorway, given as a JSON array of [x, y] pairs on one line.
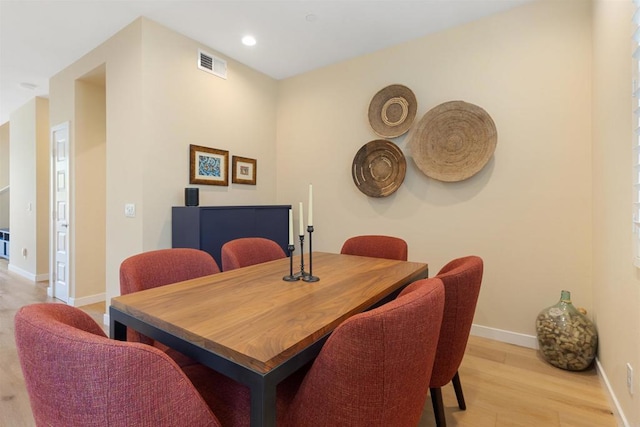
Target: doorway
[[90, 188]]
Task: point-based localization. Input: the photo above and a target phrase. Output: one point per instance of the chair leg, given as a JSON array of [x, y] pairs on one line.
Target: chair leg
[[458, 389], [438, 406]]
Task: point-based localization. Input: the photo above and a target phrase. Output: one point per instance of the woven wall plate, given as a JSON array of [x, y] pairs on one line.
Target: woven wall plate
[[392, 111], [378, 168], [453, 141]]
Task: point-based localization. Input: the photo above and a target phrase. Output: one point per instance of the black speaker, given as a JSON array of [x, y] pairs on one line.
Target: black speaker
[[191, 197]]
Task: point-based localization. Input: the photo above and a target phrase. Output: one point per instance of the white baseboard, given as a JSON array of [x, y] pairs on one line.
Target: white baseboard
[[91, 299], [523, 340], [27, 275], [619, 414], [21, 272]]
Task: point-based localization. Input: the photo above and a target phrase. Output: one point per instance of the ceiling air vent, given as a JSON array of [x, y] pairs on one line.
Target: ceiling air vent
[[212, 64]]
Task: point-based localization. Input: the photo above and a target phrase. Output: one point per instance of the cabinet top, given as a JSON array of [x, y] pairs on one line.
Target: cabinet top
[[234, 207]]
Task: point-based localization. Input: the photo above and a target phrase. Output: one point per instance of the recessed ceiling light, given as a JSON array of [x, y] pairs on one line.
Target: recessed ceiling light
[[26, 85], [248, 41], [311, 17]]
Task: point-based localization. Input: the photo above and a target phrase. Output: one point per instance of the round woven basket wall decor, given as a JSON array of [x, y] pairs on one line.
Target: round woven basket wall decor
[[392, 111], [453, 141], [379, 168]]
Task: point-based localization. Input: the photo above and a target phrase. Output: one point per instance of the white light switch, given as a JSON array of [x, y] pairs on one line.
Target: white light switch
[[130, 210]]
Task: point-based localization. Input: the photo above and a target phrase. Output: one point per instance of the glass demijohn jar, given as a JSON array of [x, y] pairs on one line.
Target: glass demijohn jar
[[566, 337]]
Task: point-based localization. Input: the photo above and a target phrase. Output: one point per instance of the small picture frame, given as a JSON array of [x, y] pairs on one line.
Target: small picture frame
[[243, 170], [208, 166]]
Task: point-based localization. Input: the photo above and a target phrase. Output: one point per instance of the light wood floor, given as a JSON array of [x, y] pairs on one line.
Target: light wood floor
[[504, 385]]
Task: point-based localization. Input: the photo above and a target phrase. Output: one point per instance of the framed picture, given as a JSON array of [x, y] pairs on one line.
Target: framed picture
[[208, 166], [243, 170]]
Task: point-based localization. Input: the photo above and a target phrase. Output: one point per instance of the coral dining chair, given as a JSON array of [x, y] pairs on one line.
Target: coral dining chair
[[76, 376], [248, 251], [462, 278], [162, 267], [376, 246], [370, 372]]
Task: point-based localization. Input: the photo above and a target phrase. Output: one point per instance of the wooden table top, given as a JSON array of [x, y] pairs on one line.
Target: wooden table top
[[252, 316]]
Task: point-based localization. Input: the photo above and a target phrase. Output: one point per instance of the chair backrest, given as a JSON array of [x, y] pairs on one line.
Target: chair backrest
[[376, 246], [76, 376], [462, 278], [375, 367], [162, 267], [248, 251]]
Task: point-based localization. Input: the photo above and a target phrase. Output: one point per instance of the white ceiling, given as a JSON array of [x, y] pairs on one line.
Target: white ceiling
[[38, 38]]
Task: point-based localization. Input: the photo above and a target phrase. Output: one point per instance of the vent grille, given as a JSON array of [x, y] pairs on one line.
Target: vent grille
[[212, 64]]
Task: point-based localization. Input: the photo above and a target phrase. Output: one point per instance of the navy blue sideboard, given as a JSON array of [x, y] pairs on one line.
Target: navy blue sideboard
[[210, 227]]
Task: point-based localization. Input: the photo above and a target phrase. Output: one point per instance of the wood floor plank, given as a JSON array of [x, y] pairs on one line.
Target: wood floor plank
[[519, 388]]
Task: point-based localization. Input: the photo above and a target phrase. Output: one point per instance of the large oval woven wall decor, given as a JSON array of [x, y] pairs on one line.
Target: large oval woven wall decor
[[378, 168], [453, 141], [392, 111]]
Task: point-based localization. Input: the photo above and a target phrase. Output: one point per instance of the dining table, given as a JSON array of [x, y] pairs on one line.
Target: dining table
[[256, 328]]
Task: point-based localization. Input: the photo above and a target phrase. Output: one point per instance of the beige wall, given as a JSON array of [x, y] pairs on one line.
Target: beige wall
[[90, 190], [42, 208], [4, 155], [616, 282], [157, 103], [4, 175], [29, 196], [527, 213]]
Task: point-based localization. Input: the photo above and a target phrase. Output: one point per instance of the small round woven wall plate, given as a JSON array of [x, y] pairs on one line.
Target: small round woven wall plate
[[392, 111], [379, 168], [453, 141]]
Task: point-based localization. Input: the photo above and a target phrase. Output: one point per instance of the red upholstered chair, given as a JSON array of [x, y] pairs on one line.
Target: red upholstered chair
[[76, 376], [249, 251], [162, 267], [370, 372], [376, 247], [462, 278]]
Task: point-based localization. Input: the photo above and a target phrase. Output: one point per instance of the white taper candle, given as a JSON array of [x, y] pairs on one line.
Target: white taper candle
[[290, 227], [301, 221], [310, 219]]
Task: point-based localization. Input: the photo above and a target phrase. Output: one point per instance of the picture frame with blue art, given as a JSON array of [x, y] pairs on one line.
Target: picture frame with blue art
[[208, 166]]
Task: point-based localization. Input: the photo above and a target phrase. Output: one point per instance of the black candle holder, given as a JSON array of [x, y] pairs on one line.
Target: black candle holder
[[301, 274], [309, 277], [291, 277]]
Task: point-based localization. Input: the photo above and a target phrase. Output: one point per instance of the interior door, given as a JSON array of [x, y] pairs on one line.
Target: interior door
[[59, 278]]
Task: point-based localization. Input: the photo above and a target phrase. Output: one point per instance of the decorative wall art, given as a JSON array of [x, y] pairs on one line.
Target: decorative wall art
[[453, 141], [379, 168], [208, 166], [392, 111], [243, 170]]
